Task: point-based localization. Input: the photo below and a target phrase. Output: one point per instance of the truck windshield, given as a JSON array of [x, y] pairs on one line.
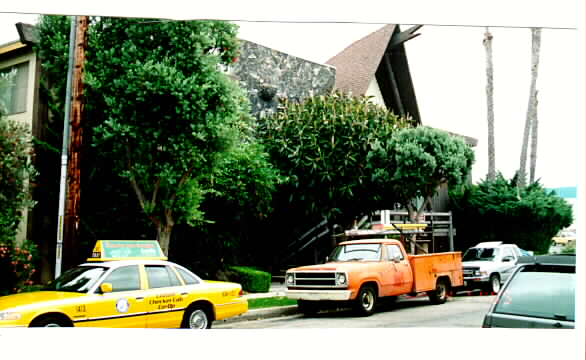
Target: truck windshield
[[356, 252], [79, 279], [485, 254]]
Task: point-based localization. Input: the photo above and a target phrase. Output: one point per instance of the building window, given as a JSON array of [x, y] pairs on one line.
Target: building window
[[13, 92]]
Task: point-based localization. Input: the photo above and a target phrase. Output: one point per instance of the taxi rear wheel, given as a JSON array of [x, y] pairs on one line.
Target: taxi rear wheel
[[50, 321], [197, 318]]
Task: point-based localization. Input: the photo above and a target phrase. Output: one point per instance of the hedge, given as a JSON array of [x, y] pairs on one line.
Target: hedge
[[251, 279]]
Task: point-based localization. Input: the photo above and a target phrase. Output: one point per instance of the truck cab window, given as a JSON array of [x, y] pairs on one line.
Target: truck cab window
[[394, 251]]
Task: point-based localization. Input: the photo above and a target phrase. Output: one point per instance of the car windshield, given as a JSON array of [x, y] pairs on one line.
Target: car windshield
[[542, 294], [356, 252], [484, 254], [79, 279]]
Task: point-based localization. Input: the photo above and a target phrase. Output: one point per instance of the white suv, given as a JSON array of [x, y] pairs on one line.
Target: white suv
[[489, 264]]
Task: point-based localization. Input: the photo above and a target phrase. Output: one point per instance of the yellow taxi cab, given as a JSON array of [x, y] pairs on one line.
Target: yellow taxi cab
[[125, 284]]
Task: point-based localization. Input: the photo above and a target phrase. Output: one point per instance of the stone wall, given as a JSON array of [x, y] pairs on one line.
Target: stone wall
[[268, 75]]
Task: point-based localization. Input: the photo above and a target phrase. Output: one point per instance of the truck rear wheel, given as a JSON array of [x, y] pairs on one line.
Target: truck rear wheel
[[440, 294], [366, 300]]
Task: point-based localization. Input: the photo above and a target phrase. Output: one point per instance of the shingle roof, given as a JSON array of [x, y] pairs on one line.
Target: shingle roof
[[356, 65]]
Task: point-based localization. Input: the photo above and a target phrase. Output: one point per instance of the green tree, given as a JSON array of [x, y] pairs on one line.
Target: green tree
[[321, 147], [163, 116], [16, 172], [170, 111], [499, 211], [414, 163]]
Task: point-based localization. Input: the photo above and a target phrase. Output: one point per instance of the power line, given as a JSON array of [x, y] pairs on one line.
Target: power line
[[339, 22]]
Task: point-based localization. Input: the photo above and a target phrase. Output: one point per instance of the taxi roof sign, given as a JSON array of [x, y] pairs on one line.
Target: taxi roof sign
[[109, 250]]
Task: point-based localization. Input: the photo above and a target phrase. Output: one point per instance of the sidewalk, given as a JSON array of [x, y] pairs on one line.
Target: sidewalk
[[276, 289]]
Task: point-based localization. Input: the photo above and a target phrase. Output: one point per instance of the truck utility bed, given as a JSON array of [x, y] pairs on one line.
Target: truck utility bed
[[427, 268]]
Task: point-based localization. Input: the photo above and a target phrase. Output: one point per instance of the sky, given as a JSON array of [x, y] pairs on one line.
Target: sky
[[447, 64]]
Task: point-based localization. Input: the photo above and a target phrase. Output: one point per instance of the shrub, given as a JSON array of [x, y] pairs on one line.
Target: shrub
[[498, 210], [17, 267], [251, 279]]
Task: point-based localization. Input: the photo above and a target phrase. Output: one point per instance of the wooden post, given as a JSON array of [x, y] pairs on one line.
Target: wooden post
[[72, 218]]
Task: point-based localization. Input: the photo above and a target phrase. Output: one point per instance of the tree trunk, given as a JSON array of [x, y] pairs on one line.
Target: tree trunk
[[414, 215], [164, 237], [535, 44], [490, 104]]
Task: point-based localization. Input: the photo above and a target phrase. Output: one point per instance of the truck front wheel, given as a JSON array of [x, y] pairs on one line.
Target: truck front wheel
[[440, 294], [366, 300]]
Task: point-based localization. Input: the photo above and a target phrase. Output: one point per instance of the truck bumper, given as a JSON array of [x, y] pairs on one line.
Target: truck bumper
[[336, 295]]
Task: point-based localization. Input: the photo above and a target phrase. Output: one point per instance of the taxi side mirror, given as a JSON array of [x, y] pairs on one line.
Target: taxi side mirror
[[106, 288]]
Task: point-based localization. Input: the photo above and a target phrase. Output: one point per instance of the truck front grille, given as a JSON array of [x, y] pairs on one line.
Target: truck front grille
[[315, 279], [469, 270]]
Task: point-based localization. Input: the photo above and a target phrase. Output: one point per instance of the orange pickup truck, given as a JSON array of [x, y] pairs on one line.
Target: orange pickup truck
[[362, 271]]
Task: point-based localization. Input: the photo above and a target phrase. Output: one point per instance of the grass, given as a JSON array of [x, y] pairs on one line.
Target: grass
[[270, 302]]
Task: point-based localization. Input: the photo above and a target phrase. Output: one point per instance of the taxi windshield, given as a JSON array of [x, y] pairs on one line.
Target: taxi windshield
[[79, 279]]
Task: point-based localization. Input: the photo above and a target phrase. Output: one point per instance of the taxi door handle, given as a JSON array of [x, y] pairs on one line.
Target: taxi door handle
[[184, 293], [140, 298]]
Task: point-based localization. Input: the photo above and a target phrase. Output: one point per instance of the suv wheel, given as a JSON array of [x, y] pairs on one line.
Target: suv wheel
[[494, 284]]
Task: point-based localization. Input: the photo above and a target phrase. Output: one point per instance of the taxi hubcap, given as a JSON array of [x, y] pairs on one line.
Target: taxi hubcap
[[198, 320]]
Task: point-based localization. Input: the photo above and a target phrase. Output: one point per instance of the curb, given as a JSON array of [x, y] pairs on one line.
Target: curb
[[265, 313]]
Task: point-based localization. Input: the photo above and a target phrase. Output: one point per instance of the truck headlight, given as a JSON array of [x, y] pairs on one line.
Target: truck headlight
[[6, 316], [476, 272], [341, 279], [290, 279]]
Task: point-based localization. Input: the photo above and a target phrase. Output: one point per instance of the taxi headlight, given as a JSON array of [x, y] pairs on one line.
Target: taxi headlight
[[341, 279], [6, 316], [290, 279]]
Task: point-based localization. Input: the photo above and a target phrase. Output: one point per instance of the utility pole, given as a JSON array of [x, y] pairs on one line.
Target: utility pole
[[69, 190]]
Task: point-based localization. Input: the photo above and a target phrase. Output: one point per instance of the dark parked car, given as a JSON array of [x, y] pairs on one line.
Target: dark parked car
[[539, 294]]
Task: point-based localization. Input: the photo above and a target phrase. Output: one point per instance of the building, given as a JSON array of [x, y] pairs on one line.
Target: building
[[20, 101]]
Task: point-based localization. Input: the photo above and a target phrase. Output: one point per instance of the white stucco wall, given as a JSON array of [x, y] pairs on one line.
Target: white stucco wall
[[374, 91]]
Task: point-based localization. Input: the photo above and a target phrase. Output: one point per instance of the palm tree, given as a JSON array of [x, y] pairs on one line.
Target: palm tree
[[532, 106], [487, 42], [533, 156]]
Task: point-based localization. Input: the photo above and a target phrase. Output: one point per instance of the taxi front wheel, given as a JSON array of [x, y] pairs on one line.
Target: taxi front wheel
[[197, 318]]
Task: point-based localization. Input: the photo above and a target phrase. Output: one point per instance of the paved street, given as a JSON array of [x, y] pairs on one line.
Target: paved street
[[461, 311]]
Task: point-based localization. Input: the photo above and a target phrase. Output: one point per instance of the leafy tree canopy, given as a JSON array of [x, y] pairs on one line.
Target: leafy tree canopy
[[321, 146], [499, 211], [413, 163], [163, 112]]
